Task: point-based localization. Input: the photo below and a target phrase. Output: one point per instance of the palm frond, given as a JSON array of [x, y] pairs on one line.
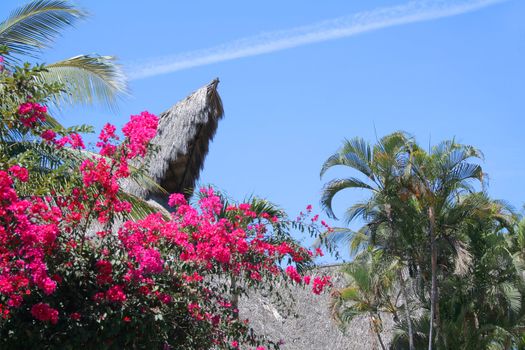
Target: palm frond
[[88, 79], [512, 296], [334, 186], [360, 209], [463, 171], [355, 153], [333, 237], [35, 26], [261, 205], [463, 258], [141, 208], [393, 143], [420, 326]]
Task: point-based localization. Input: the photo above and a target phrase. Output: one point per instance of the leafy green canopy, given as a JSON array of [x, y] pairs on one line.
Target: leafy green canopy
[[85, 78], [458, 279]]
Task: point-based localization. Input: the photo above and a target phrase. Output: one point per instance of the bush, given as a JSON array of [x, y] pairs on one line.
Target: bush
[[77, 269]]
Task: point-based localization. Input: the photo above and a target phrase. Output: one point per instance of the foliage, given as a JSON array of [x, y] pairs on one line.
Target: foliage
[[85, 79], [458, 262], [76, 269], [369, 292]]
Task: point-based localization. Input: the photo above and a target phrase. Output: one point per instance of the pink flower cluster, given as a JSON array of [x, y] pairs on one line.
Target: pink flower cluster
[[31, 112], [320, 283], [116, 294], [28, 232], [200, 237], [293, 274], [19, 172], [30, 227], [104, 272], [142, 262], [140, 130], [48, 135], [73, 139], [43, 312]]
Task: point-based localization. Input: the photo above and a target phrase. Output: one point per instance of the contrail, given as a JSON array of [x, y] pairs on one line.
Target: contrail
[[342, 27]]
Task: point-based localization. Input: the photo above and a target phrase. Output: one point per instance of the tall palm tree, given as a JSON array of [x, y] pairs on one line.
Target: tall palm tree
[[437, 180], [414, 199], [482, 307], [87, 78], [381, 167]]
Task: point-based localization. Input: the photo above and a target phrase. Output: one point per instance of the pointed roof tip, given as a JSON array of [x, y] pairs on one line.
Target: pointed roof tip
[[184, 134], [183, 137], [214, 83]]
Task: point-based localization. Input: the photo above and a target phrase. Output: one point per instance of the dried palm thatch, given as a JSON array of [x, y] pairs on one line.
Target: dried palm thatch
[[310, 325], [184, 133]]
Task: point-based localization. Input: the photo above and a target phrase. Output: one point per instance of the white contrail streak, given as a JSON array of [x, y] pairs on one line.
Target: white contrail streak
[[411, 12]]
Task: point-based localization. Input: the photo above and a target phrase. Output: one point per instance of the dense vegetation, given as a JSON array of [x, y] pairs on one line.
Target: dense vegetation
[[80, 267], [85, 264], [435, 252]]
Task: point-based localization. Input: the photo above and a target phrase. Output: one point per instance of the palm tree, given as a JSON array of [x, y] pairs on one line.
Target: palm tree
[[436, 180], [414, 199], [368, 292], [86, 78], [483, 304], [381, 166]]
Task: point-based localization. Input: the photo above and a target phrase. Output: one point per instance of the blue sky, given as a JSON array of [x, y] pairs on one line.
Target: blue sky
[[461, 76]]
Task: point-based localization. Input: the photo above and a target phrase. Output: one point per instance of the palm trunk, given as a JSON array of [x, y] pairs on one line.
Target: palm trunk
[[407, 312], [376, 329], [433, 292], [380, 341]]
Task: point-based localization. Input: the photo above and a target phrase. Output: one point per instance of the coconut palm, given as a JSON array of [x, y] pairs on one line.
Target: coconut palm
[[86, 78]]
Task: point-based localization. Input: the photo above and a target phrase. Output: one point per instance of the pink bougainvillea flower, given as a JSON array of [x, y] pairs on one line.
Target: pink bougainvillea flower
[[48, 135], [43, 312], [19, 172], [293, 274]]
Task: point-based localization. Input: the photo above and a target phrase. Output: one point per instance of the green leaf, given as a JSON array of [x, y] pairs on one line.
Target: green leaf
[[334, 186], [87, 79], [35, 26]]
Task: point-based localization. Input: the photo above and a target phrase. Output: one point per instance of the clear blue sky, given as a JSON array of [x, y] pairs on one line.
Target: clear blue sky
[[462, 76]]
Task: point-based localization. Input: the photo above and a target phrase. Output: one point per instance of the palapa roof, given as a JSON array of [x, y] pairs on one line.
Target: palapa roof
[[310, 326], [183, 136]]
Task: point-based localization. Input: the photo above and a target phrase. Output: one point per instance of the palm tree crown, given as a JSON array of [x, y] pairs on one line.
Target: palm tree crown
[[87, 78]]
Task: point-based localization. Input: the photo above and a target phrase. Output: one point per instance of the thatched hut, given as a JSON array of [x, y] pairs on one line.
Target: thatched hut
[[184, 133]]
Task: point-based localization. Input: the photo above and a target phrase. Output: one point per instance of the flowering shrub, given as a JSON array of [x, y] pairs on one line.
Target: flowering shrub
[[76, 269]]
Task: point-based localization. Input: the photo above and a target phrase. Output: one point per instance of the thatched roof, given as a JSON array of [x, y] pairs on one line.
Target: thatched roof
[[312, 326], [184, 133]]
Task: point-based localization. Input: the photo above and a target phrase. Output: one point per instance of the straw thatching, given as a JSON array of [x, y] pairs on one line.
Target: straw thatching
[[184, 133], [310, 326]]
